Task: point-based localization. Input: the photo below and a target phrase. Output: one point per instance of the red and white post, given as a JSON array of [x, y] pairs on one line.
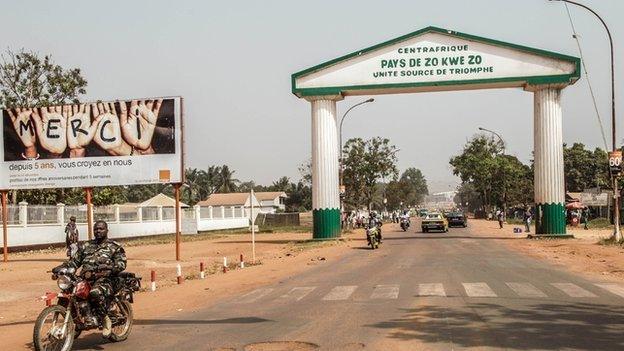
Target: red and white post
[[202, 275], [179, 274], [153, 280], [242, 262]]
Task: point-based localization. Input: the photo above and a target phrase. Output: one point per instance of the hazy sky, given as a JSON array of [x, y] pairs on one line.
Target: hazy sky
[[232, 61]]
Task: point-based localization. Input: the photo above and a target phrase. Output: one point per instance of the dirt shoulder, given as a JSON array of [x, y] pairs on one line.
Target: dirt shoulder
[[581, 255], [279, 256]]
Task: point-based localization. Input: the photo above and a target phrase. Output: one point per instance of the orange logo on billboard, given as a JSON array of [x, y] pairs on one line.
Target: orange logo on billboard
[[164, 175]]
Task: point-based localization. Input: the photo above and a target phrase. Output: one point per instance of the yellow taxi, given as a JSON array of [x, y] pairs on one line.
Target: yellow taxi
[[434, 221]]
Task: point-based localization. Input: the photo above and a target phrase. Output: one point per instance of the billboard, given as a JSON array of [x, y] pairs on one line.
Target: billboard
[[92, 144]]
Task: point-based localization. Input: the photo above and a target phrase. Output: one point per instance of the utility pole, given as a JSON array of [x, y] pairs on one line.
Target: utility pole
[[617, 234]]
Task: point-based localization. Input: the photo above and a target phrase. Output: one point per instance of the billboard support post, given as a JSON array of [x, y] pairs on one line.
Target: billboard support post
[[176, 188], [89, 194], [5, 215]]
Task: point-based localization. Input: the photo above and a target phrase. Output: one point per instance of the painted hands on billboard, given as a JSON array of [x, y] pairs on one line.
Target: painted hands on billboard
[[138, 127]]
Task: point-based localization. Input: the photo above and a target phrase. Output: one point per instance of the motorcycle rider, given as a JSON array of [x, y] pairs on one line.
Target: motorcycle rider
[[101, 259], [374, 221], [405, 216]]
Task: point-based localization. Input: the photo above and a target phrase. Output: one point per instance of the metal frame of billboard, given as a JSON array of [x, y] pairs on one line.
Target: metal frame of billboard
[[178, 145]]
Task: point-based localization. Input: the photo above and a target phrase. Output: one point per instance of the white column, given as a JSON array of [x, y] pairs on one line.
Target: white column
[[210, 212], [60, 213], [117, 215], [197, 210], [548, 150], [325, 192], [160, 212], [23, 213]]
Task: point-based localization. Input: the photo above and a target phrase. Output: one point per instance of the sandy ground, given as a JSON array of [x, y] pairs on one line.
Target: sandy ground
[[282, 255], [279, 256], [581, 254]]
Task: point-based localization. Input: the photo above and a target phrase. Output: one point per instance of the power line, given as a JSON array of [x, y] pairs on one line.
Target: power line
[[591, 90]]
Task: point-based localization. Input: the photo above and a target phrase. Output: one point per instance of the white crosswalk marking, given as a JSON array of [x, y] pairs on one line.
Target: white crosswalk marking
[[340, 293], [478, 290], [573, 290], [525, 290], [255, 295], [616, 289], [298, 293], [385, 292], [431, 289]]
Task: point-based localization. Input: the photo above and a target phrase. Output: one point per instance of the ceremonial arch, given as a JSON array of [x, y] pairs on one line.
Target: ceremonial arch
[[435, 59]]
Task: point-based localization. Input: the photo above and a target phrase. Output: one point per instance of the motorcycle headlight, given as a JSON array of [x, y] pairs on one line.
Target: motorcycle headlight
[[64, 282]]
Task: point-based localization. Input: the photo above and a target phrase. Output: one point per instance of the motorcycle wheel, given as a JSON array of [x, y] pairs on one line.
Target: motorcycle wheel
[[44, 340], [122, 331]]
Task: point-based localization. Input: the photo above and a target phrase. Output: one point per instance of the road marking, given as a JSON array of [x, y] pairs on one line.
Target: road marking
[[478, 290], [431, 289], [298, 293], [525, 290], [616, 289], [255, 295], [340, 293], [573, 290], [385, 292]]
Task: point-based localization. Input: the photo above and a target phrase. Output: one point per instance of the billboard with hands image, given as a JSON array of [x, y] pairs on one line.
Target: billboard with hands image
[[136, 135]]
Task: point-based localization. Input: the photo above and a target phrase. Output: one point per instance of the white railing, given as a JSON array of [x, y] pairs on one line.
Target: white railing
[[44, 224]]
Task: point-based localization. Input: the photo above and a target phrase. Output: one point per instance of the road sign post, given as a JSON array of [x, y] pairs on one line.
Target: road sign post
[[615, 167]]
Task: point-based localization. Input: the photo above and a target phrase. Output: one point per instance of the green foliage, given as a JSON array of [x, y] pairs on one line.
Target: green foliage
[[365, 164], [29, 80], [490, 177], [585, 169], [410, 189]]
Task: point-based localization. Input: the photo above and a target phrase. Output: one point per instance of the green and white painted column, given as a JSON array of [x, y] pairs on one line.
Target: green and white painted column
[[325, 192], [548, 149]]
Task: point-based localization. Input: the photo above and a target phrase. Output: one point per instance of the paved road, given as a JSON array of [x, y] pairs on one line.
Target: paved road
[[417, 292]]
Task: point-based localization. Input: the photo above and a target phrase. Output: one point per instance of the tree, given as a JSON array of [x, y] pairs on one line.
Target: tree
[[365, 164], [585, 169], [28, 80], [226, 183], [409, 190], [476, 165]]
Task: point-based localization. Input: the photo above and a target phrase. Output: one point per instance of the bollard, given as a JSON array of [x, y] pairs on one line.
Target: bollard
[[242, 262], [153, 280], [201, 270], [224, 264], [179, 273]]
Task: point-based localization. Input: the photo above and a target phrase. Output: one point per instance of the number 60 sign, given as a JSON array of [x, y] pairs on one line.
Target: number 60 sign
[[615, 162]]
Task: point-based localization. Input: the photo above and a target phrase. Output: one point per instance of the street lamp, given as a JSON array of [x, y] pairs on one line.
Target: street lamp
[[504, 184], [340, 140], [616, 195]]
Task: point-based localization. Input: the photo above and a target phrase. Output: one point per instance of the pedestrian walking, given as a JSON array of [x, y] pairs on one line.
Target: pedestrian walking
[[527, 219], [500, 215], [585, 217], [71, 237]]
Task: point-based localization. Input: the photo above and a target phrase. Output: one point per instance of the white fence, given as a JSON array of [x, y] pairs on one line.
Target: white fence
[[36, 225]]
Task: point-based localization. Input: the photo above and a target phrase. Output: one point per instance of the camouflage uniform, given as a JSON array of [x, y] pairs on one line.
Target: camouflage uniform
[[107, 258]]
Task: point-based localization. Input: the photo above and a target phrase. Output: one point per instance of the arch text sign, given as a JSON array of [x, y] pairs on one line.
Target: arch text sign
[[436, 59]]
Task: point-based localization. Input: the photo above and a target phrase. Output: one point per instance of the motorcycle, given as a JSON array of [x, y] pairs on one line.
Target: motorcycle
[[372, 234], [68, 317], [405, 223]]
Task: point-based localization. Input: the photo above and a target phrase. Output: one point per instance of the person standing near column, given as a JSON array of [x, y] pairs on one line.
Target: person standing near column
[[527, 219], [71, 237]]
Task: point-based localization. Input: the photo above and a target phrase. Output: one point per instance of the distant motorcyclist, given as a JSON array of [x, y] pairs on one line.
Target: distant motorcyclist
[[375, 221], [101, 259]]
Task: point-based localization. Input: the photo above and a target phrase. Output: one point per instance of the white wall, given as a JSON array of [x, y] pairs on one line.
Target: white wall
[[38, 234]]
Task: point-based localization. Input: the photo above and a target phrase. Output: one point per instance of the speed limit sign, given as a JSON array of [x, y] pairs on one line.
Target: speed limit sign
[[615, 162]]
